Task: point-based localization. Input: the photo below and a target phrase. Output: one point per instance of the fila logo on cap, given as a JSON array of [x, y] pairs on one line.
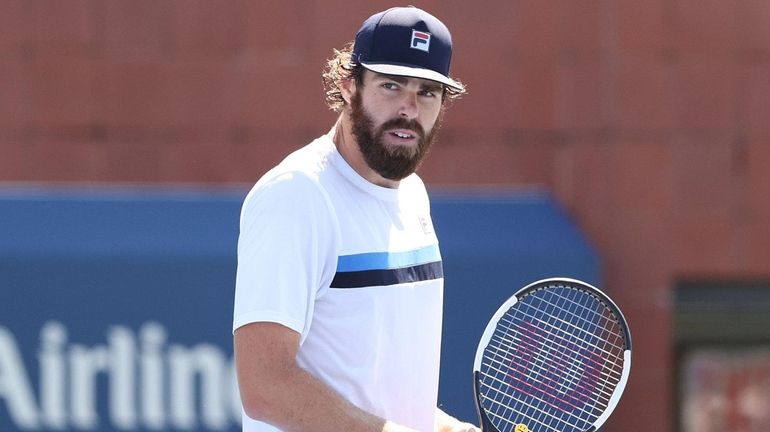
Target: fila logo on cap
[[420, 40]]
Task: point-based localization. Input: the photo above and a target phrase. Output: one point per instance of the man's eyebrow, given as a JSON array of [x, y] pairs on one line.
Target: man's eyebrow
[[397, 78], [432, 86], [426, 84]]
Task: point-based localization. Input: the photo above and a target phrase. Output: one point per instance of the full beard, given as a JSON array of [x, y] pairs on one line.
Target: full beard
[[391, 162]]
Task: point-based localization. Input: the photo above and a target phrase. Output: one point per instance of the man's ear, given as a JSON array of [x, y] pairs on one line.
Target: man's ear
[[347, 89]]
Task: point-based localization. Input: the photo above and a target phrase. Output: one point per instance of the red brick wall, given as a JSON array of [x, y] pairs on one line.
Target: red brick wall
[[647, 119]]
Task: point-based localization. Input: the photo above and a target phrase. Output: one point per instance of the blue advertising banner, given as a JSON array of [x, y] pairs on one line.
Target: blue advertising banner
[[116, 304]]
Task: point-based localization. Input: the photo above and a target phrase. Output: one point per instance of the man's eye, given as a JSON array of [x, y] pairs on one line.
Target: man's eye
[[390, 86]]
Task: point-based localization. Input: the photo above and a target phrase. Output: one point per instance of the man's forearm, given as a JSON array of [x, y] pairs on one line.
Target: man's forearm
[[276, 390], [297, 401]]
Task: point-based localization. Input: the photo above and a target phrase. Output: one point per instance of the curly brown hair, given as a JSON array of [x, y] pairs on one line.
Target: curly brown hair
[[342, 67]]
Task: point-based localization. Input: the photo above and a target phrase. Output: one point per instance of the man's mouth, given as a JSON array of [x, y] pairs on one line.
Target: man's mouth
[[403, 134]]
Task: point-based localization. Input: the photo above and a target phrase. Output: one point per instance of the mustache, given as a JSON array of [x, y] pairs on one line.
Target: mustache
[[402, 123]]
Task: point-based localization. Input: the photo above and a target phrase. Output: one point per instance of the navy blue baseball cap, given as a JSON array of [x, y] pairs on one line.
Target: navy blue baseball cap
[[406, 41]]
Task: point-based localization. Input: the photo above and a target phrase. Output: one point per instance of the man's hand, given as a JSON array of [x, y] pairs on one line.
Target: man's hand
[[393, 427], [461, 427], [447, 423]]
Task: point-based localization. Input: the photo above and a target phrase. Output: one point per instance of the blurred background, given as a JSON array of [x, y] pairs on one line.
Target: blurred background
[[623, 142]]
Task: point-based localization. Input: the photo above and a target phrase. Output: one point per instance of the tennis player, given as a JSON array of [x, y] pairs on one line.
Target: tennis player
[[338, 300]]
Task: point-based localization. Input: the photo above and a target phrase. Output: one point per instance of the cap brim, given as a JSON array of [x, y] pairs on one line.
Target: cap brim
[[408, 71]]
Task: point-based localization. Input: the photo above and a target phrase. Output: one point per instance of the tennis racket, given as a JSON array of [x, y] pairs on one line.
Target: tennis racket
[[555, 357]]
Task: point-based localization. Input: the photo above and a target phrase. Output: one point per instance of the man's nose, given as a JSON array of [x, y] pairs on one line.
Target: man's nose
[[409, 106]]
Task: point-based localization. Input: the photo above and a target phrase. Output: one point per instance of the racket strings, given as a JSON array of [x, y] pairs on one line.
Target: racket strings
[[541, 371], [503, 405], [596, 324], [557, 354], [563, 357], [503, 398], [602, 319], [564, 343], [557, 389], [607, 336]]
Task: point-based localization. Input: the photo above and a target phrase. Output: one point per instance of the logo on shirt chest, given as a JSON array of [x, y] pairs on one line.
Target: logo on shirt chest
[[426, 224]]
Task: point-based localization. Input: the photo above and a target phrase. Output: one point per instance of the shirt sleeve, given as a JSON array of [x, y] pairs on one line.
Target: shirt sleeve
[[286, 252]]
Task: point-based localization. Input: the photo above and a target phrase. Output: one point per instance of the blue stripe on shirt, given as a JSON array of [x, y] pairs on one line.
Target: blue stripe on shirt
[[388, 260]]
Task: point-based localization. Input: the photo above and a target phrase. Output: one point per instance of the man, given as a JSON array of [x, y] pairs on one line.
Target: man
[[337, 320]]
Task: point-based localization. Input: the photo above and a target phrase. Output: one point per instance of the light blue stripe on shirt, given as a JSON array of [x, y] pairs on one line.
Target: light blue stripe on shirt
[[388, 260]]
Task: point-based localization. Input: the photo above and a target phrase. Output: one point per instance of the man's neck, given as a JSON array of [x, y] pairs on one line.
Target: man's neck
[[343, 138]]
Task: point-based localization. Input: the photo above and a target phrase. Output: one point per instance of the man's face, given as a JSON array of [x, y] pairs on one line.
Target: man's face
[[395, 120]]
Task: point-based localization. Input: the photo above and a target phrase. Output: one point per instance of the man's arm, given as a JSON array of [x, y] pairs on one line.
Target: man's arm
[[275, 390]]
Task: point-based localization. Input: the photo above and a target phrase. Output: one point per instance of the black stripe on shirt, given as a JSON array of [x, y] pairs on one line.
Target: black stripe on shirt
[[368, 278]]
